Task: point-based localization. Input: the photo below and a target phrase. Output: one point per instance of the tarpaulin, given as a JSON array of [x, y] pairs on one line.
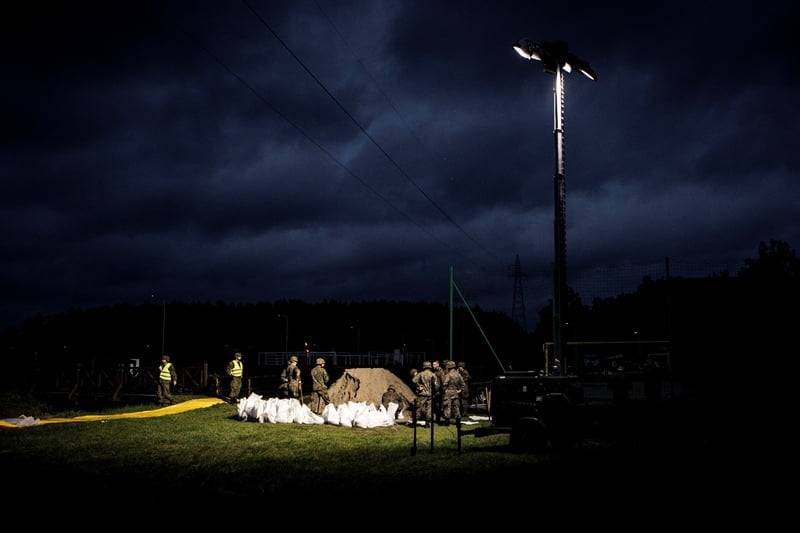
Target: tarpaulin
[[199, 403]]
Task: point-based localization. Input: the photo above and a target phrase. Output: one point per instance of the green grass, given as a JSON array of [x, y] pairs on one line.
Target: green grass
[[211, 452]]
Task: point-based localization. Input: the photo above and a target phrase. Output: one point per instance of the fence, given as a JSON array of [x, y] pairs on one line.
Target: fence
[[394, 358], [119, 381], [602, 357]]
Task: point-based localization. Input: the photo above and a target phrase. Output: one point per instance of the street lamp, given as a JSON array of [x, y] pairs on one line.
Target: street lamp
[[163, 326], [163, 322], [285, 334], [357, 327], [555, 58]]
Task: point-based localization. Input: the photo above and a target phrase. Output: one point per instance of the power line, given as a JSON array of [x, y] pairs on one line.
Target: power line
[[364, 131], [310, 139]]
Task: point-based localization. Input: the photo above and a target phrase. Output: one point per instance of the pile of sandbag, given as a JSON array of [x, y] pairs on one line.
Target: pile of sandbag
[[290, 410]]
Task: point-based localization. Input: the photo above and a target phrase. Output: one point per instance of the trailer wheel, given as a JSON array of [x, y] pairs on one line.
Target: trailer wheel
[[529, 435], [561, 416]]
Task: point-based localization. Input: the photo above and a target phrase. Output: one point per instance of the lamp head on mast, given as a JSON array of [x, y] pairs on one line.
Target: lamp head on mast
[[554, 56]]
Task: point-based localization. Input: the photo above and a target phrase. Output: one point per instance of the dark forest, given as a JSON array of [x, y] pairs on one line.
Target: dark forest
[[712, 327]]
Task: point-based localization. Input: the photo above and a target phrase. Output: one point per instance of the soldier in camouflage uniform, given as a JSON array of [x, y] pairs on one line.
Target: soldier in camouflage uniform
[[438, 405], [426, 385], [452, 385], [391, 396], [462, 369], [319, 386], [290, 386]]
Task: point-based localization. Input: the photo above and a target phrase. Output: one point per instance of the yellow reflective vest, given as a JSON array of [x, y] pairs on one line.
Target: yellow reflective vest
[[165, 373]]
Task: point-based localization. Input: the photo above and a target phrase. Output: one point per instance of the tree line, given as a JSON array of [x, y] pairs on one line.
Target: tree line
[[713, 324]]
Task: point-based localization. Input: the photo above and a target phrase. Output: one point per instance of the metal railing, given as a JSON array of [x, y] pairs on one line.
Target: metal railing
[[345, 359]]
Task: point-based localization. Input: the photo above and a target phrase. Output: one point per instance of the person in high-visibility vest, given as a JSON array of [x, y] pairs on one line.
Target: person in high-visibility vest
[[166, 375], [235, 370]]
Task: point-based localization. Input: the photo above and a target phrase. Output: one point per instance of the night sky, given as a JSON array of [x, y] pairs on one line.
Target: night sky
[[251, 151]]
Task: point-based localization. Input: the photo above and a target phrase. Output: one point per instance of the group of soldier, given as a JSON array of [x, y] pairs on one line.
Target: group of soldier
[[291, 385], [442, 393]]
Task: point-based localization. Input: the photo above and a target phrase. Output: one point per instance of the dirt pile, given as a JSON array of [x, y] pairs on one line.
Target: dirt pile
[[368, 385]]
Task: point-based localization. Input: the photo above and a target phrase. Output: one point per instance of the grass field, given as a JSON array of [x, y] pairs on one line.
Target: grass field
[[212, 453]]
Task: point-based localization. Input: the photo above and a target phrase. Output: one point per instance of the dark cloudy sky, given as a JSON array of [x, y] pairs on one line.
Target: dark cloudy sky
[[258, 150]]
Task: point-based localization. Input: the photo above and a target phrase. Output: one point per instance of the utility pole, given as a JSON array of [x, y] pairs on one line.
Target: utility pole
[[518, 303]]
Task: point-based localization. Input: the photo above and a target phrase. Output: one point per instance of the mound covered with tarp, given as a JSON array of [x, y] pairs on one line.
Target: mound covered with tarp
[[368, 385], [355, 402]]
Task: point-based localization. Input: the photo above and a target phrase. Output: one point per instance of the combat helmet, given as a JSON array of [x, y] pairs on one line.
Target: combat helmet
[[293, 359], [320, 361], [450, 364], [426, 364]]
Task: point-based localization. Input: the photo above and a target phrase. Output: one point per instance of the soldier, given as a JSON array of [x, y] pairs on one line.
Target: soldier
[[412, 409], [462, 369], [437, 397], [166, 375], [391, 396], [426, 385], [290, 386], [319, 387], [452, 385], [235, 370]]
